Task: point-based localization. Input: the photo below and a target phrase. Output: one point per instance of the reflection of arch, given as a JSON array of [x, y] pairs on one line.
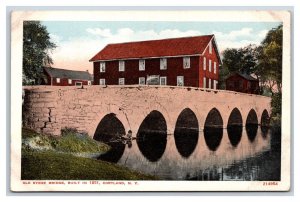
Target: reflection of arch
[[186, 132], [265, 119], [109, 128], [214, 119], [114, 154], [234, 134], [252, 118], [264, 131], [213, 137], [152, 136], [235, 118], [251, 130]]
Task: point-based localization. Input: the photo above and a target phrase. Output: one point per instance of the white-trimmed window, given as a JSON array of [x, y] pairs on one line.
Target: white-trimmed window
[[209, 65], [102, 81], [209, 83], [210, 47], [121, 81], [204, 82], [163, 63], [57, 80], [142, 65], [78, 84], [215, 84], [69, 81], [121, 66], [163, 80], [186, 62], [142, 81], [102, 66], [180, 81], [89, 83], [204, 63], [215, 67]]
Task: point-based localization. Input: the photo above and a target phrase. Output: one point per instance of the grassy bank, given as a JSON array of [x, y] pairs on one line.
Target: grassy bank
[[50, 165], [56, 158]]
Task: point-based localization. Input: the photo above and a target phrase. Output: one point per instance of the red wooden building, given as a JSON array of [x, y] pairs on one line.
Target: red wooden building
[[64, 77], [242, 83], [187, 61]]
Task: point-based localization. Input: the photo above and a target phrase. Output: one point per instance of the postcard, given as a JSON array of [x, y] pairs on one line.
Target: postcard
[[186, 100]]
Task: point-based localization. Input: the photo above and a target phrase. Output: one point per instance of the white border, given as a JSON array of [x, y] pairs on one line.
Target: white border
[[143, 15]]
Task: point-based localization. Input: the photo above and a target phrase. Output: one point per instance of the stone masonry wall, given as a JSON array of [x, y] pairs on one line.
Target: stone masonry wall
[[48, 109]]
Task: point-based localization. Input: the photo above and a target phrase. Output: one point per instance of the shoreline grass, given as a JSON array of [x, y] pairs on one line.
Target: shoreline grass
[[47, 157]]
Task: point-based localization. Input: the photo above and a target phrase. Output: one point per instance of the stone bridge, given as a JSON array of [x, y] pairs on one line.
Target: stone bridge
[[48, 109]]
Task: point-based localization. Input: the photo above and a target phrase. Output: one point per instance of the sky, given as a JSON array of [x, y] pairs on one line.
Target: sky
[[79, 41]]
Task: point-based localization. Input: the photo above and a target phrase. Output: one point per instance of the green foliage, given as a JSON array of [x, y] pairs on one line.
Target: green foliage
[[276, 107], [50, 165], [242, 60], [36, 48], [270, 60]]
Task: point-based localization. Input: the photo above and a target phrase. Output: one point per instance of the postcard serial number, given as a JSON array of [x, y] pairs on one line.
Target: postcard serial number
[[270, 183]]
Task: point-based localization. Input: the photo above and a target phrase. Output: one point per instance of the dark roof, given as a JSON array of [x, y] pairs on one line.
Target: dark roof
[[155, 48], [70, 74], [245, 76]]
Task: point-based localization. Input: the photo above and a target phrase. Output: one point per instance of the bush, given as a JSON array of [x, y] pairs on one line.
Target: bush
[[276, 108]]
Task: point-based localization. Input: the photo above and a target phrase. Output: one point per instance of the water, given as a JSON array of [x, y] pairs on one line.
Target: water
[[237, 153]]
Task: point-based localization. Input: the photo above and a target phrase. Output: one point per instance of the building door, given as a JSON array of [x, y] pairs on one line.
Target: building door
[[163, 80]]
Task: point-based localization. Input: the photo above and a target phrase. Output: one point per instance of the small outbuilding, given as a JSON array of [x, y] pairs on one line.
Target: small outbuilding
[[64, 77], [243, 83]]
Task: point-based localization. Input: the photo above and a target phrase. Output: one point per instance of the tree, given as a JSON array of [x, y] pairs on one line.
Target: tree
[[270, 60], [36, 51]]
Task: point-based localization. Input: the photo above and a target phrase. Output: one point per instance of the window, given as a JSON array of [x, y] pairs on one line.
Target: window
[[163, 63], [69, 81], [209, 83], [89, 83], [142, 65], [204, 63], [79, 84], [121, 81], [209, 65], [186, 62], [102, 66], [153, 80], [215, 84], [204, 82], [215, 67], [210, 47], [121, 66], [141, 80], [180, 81], [163, 80], [57, 80], [102, 81]]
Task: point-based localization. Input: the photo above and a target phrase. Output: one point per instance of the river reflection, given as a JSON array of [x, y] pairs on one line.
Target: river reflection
[[237, 153]]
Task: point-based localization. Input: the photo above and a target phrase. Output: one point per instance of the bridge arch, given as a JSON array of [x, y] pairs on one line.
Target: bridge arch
[[213, 129], [186, 132], [152, 136], [109, 128], [252, 118], [213, 119], [235, 127]]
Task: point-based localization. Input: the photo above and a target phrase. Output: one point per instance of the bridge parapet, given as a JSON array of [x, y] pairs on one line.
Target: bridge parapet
[[48, 109]]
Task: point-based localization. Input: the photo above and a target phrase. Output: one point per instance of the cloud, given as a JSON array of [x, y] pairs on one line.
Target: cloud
[[99, 32], [74, 53]]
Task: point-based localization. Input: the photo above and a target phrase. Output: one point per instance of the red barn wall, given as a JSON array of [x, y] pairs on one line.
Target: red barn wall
[[152, 67], [205, 73]]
